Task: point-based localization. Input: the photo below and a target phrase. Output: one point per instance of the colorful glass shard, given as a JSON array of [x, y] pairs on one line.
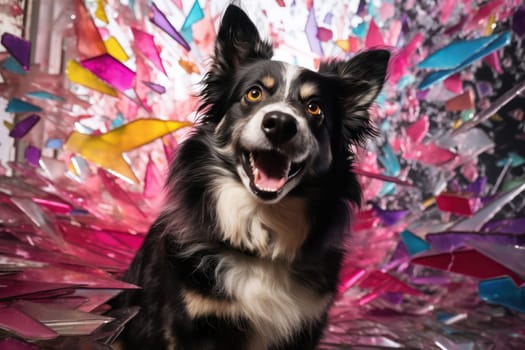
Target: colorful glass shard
[[463, 54], [452, 240], [54, 143], [106, 149], [155, 87], [311, 34], [417, 131], [23, 325], [32, 155], [503, 291], [413, 243], [100, 12], [510, 256], [158, 18], [78, 74], [468, 262], [44, 95], [458, 203], [389, 217], [13, 66], [188, 66], [24, 126], [196, 14], [115, 49], [111, 71], [461, 102], [145, 43], [20, 49], [16, 105], [454, 83], [374, 38], [89, 41]]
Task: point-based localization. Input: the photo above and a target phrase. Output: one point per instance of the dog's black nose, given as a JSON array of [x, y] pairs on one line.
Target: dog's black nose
[[279, 127]]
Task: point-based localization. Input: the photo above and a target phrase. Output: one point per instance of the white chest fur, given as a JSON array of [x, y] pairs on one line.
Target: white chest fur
[[269, 230], [265, 294]]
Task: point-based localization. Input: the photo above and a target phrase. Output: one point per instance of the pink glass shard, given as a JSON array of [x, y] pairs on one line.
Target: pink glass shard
[[458, 203], [153, 181], [467, 262], [110, 70], [23, 325], [145, 43], [374, 38], [492, 60], [461, 102], [89, 41], [447, 6], [24, 126], [11, 288], [418, 130], [158, 18], [454, 83], [19, 48], [324, 34]]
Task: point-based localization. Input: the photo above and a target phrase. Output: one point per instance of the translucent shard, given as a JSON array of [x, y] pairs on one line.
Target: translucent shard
[[89, 41], [20, 49], [454, 83], [24, 126], [111, 71], [196, 14], [389, 160], [461, 102], [508, 255], [189, 66], [513, 160], [418, 130], [32, 155], [492, 60], [503, 291], [21, 324], [115, 49], [413, 243], [16, 105], [13, 66], [44, 95], [453, 240], [158, 18], [389, 217], [159, 89], [78, 74], [106, 149], [146, 44], [311, 34]]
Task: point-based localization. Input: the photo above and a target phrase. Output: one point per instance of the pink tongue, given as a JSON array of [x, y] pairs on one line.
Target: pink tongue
[[269, 173]]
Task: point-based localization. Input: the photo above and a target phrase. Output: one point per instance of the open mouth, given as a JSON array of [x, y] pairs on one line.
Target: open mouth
[[269, 172]]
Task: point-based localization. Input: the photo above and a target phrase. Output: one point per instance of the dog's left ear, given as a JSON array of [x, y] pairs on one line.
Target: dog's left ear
[[361, 79], [238, 40]]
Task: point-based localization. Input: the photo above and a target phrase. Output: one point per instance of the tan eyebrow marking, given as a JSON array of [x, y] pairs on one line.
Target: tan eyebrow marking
[[307, 90], [268, 82]]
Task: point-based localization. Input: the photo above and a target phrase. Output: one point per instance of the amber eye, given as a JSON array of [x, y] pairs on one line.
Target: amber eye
[[313, 109], [255, 94]]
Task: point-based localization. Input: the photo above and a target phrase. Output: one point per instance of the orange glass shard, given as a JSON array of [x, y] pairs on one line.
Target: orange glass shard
[[189, 66], [106, 150], [100, 12], [78, 74], [89, 41], [115, 49], [461, 102]]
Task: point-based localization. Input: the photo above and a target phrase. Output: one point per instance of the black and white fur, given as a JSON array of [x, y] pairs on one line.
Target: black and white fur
[[247, 252]]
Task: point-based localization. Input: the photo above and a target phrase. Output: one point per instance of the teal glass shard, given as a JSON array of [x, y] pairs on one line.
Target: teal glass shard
[[413, 243]]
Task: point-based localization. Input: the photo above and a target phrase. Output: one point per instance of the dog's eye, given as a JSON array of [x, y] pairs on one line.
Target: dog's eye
[[313, 109], [255, 94]]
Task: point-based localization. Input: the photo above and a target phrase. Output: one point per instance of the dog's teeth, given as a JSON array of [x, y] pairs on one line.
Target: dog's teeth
[[252, 161]]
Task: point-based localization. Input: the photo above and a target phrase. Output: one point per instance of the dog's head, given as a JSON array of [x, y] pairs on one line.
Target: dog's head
[[280, 124]]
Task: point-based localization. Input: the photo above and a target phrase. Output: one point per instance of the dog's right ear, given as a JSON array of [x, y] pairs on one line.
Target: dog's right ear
[[238, 41]]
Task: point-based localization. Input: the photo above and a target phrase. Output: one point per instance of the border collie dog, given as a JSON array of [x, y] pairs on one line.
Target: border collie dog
[[246, 255]]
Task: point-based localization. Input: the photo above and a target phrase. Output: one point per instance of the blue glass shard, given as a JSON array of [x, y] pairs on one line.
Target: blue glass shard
[[413, 243], [12, 65], [389, 161], [513, 159], [54, 143], [118, 121], [16, 105], [503, 291], [194, 15], [44, 95], [360, 30]]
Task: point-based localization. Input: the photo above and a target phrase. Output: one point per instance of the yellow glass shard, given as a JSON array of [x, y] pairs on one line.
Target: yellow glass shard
[[115, 49], [78, 74], [106, 150], [8, 125], [343, 44], [100, 12]]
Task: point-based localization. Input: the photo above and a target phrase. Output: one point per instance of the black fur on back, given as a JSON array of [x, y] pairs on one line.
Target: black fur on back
[[184, 250]]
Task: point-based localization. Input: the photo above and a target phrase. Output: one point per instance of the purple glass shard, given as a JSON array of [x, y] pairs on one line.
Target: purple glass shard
[[155, 87], [518, 21], [158, 18], [19, 48], [32, 155], [477, 187], [111, 71], [449, 241], [311, 34], [515, 225], [24, 126]]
